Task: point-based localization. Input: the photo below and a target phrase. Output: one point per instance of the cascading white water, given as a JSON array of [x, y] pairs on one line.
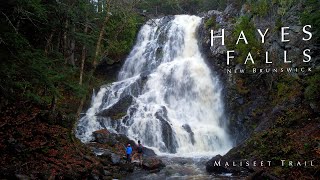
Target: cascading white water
[[174, 101]]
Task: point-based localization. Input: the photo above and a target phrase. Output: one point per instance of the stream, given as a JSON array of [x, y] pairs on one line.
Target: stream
[[183, 168]]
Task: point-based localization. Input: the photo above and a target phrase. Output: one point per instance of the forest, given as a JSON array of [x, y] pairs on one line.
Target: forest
[[50, 50], [53, 53]]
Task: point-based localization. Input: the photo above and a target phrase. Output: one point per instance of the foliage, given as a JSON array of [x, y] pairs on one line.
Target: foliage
[[160, 7], [241, 88], [44, 47], [260, 7], [121, 34], [210, 23], [41, 49], [288, 88], [311, 15], [312, 91], [278, 24], [244, 24], [283, 5]]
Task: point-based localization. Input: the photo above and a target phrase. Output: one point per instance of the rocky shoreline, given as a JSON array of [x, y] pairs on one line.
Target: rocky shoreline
[[110, 148]]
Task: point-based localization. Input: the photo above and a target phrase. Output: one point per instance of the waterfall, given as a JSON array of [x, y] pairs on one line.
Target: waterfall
[[166, 96]]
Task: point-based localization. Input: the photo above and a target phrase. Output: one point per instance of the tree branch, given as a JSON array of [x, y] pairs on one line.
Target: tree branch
[[15, 29]]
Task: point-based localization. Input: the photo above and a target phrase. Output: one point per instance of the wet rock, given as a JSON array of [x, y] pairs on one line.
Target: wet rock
[[95, 175], [152, 163], [105, 162], [144, 75], [121, 138], [101, 133], [119, 109], [191, 134], [107, 173], [168, 138], [148, 152], [115, 159], [127, 167], [22, 177], [216, 165], [108, 158], [167, 133], [101, 136]]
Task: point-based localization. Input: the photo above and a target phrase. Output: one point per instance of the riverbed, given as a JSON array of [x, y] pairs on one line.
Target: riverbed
[[179, 168]]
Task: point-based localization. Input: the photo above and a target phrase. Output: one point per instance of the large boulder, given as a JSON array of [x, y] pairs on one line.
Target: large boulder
[[103, 136], [119, 109], [217, 165], [115, 158], [148, 152], [152, 163], [127, 167]]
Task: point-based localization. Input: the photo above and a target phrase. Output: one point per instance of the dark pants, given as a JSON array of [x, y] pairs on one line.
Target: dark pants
[[128, 157]]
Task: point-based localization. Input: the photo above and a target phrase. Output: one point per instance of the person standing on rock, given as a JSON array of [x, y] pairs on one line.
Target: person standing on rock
[[139, 152], [128, 152]]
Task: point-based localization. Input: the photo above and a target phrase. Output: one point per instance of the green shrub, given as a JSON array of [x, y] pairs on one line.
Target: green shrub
[[210, 23], [312, 92], [254, 46], [259, 7], [284, 5], [311, 15]]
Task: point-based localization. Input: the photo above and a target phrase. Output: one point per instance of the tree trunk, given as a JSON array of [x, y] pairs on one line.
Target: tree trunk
[[65, 46], [48, 44], [99, 6], [101, 34], [53, 103], [83, 57], [80, 107], [58, 42], [73, 45]]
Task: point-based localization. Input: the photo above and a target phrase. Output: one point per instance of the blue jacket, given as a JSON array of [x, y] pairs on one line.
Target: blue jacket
[[129, 150]]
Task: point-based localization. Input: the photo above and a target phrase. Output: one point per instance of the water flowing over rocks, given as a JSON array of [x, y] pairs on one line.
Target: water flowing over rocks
[[169, 95], [166, 95]]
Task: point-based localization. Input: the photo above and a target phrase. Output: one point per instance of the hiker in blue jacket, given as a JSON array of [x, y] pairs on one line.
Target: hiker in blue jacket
[[128, 152]]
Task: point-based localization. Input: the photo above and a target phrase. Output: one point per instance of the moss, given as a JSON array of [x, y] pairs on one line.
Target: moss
[[210, 23], [254, 47], [241, 88], [278, 24], [311, 15], [283, 5], [312, 92], [278, 171], [287, 88], [260, 7]]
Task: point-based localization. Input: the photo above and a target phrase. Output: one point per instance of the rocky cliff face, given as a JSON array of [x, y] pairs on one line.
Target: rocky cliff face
[[266, 110]]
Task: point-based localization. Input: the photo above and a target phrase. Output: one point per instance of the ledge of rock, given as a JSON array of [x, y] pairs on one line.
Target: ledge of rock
[[152, 163]]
